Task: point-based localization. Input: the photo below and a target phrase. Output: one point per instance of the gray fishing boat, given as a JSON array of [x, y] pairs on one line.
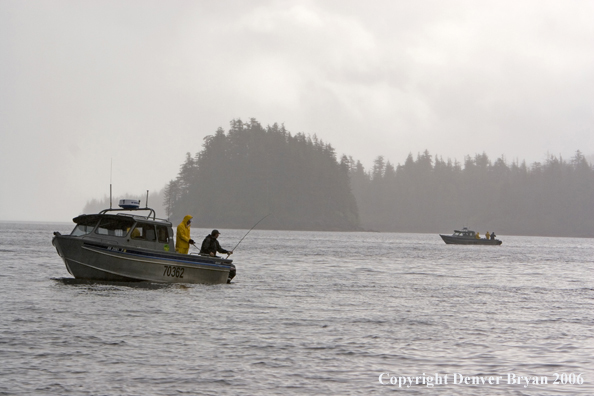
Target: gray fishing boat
[[468, 237], [122, 245]]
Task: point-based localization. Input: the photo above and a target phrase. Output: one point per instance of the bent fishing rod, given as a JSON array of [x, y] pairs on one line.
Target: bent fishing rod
[[246, 234]]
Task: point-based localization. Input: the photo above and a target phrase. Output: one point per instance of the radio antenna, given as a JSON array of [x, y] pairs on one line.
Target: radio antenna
[[147, 198], [110, 174]]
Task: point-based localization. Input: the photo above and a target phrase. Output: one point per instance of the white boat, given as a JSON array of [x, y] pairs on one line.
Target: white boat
[[120, 245]]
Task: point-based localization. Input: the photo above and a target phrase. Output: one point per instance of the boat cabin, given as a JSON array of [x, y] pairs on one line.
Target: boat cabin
[[464, 233], [126, 229]]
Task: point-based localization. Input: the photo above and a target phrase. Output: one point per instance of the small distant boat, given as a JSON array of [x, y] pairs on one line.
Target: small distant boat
[[467, 237], [129, 247]]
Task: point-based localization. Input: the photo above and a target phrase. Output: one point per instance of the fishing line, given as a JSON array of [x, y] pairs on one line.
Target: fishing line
[[246, 234]]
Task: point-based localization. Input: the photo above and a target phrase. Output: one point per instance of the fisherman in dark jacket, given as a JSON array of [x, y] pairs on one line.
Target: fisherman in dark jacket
[[210, 245]]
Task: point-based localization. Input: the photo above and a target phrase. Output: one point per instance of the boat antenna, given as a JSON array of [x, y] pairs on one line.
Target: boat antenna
[[110, 175], [249, 232], [169, 207]]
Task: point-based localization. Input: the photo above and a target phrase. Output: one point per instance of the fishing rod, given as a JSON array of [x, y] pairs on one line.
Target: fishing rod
[[246, 234]]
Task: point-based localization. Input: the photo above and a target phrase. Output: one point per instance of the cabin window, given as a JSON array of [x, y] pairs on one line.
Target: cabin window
[[84, 225], [114, 227], [163, 234], [144, 231], [82, 229]]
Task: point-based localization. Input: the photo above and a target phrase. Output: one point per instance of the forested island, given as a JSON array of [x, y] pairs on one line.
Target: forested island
[[428, 194], [249, 171]]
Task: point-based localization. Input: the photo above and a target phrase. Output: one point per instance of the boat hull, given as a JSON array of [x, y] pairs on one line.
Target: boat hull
[[95, 260], [456, 240]]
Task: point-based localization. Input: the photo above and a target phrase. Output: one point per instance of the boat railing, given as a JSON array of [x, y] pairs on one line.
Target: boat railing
[[151, 212]]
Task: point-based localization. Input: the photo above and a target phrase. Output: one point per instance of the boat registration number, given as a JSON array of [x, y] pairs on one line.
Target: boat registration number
[[174, 272]]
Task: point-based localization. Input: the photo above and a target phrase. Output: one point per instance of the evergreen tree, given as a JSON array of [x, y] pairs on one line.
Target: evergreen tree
[[250, 171], [433, 195]]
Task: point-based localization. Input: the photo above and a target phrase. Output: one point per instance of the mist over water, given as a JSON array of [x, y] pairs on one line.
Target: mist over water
[[308, 313]]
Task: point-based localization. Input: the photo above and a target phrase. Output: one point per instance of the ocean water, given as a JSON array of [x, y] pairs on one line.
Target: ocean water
[[309, 313]]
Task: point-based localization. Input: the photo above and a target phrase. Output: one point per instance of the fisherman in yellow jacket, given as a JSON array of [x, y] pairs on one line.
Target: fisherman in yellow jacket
[[182, 239]]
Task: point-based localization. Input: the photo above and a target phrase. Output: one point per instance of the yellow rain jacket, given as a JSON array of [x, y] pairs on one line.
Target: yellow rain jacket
[[182, 239]]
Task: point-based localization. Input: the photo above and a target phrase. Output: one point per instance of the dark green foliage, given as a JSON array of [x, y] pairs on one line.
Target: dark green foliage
[[242, 175], [431, 195], [250, 171]]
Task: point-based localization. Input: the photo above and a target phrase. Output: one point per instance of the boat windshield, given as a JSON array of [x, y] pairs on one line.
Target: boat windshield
[[112, 226], [464, 233], [83, 228]]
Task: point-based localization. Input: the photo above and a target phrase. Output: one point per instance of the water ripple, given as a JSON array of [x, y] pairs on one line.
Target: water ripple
[[298, 320]]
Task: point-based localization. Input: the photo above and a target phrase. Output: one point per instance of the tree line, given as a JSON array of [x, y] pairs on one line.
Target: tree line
[[249, 171], [428, 194]]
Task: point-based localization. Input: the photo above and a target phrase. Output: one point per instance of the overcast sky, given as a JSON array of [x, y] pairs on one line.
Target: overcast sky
[[140, 83]]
